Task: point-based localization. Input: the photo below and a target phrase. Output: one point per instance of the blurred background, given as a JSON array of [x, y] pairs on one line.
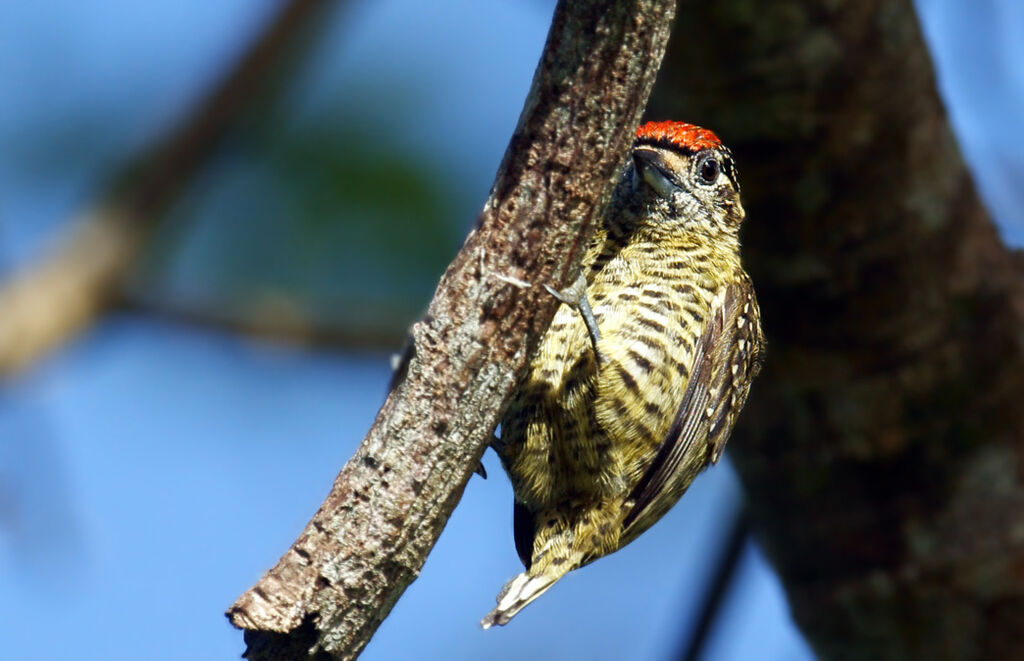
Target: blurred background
[[156, 464]]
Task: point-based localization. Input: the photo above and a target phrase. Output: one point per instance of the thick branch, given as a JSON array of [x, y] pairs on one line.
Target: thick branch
[[883, 445], [49, 301], [340, 579]]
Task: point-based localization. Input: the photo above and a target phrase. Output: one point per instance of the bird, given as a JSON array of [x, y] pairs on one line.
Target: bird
[[637, 383]]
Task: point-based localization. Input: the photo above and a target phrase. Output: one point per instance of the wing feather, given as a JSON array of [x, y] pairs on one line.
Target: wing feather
[[724, 362]]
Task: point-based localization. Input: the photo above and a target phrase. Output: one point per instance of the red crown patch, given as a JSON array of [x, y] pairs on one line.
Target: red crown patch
[[678, 134]]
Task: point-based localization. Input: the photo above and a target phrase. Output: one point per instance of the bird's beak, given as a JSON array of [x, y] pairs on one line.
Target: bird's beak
[[652, 167]]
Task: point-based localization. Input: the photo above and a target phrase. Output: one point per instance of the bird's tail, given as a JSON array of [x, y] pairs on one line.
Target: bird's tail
[[516, 595]]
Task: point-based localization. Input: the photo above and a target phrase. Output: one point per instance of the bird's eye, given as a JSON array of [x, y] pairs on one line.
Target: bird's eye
[[708, 169]]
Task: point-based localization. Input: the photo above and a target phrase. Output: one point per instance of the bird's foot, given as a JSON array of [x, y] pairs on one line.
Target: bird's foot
[[576, 296]]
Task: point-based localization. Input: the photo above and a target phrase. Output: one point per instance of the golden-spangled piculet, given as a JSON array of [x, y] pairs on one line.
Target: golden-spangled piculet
[[636, 385]]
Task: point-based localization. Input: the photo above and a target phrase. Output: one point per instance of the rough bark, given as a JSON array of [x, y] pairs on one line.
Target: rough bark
[[51, 300], [883, 444], [338, 581]]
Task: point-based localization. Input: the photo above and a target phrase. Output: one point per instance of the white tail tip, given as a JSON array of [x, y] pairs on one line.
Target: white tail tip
[[515, 596]]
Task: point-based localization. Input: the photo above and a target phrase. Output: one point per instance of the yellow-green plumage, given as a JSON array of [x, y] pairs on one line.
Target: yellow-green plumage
[[600, 443]]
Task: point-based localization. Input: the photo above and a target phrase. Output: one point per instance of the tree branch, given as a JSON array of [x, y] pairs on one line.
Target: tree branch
[[48, 302], [883, 444], [275, 319], [338, 581]]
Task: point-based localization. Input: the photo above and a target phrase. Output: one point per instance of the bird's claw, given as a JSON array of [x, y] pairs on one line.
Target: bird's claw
[[576, 296]]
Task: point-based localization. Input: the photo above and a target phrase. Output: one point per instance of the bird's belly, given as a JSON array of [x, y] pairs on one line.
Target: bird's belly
[[550, 444], [642, 379], [577, 430]]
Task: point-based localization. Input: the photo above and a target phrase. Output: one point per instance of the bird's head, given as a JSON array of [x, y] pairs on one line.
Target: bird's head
[[683, 174]]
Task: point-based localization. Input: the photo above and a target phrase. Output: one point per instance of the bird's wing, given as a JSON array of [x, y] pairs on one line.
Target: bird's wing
[[725, 361]]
